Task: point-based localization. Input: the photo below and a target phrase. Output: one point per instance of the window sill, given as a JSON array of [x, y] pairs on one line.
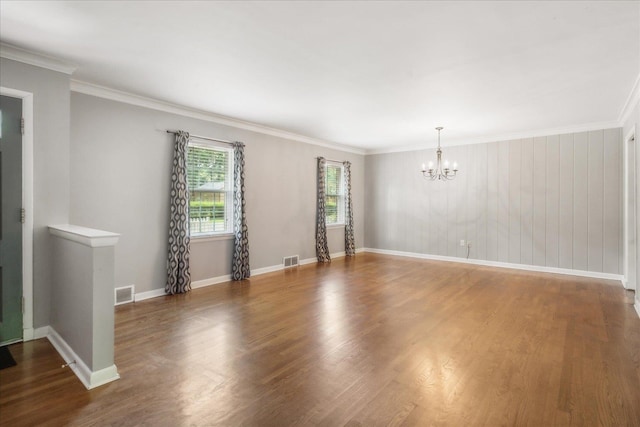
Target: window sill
[[329, 227], [211, 237]]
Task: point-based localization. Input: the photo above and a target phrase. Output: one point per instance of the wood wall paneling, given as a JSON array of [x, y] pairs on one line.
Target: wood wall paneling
[[514, 198], [503, 201], [595, 210], [580, 201], [479, 247], [526, 202], [565, 207], [492, 203], [612, 200], [550, 201], [539, 200]]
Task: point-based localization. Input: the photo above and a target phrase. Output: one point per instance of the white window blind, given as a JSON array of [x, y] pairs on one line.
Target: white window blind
[[334, 193], [210, 180]]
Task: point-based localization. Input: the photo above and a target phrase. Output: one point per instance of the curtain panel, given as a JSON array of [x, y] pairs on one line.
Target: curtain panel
[[178, 270], [349, 241], [240, 262], [322, 249]]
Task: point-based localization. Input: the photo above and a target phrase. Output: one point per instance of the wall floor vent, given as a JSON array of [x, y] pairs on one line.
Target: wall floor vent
[[124, 294], [290, 261]]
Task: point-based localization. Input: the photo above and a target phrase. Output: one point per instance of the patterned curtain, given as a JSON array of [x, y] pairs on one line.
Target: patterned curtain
[[240, 262], [178, 271], [322, 250], [349, 241]]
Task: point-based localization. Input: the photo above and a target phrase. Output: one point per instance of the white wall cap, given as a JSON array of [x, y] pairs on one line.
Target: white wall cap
[[85, 236]]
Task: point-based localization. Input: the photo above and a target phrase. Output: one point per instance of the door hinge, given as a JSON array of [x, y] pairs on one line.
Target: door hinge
[[22, 125], [22, 215]]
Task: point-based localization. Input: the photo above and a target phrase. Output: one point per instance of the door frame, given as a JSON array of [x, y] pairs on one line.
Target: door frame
[[27, 203], [629, 259]]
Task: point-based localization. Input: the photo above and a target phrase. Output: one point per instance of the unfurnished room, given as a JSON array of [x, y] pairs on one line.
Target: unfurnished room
[[319, 213]]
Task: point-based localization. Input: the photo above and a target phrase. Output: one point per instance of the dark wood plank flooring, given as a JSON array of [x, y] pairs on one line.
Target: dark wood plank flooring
[[375, 340]]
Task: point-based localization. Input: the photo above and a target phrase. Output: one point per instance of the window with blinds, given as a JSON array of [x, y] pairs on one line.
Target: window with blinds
[[210, 181], [334, 193]]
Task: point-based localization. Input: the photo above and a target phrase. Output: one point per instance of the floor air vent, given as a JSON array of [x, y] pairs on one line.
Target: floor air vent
[[124, 294], [290, 261]]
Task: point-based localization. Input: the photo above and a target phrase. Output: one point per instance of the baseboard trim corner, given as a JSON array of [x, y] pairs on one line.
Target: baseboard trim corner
[[104, 376], [636, 305], [76, 364]]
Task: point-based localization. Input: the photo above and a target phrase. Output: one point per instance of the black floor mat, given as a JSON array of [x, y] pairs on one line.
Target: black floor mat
[[6, 360]]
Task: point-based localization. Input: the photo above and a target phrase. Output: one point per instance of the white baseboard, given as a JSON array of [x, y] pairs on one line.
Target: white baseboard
[[211, 281], [141, 296], [636, 305], [227, 277], [90, 379], [541, 269]]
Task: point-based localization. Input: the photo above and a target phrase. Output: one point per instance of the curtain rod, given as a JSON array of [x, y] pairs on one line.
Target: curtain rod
[[331, 160], [203, 137]]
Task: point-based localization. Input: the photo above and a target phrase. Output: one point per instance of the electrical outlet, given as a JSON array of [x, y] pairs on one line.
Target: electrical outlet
[[462, 243]]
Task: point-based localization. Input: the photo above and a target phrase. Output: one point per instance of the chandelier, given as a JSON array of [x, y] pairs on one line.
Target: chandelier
[[441, 171]]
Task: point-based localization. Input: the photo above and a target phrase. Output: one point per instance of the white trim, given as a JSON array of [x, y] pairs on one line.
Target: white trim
[[211, 281], [227, 277], [265, 270], [37, 59], [211, 237], [90, 379], [85, 236], [308, 261], [337, 225], [567, 271], [27, 204], [154, 104], [632, 100], [503, 137], [636, 305], [154, 293]]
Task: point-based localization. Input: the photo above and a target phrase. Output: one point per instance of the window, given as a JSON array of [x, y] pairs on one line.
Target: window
[[210, 179], [334, 193]]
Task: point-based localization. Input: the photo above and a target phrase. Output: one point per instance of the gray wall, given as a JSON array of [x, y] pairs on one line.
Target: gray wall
[[83, 315], [120, 168], [551, 201], [51, 166]]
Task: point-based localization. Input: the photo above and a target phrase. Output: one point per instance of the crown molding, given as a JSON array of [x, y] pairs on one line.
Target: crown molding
[[632, 100], [17, 54], [586, 127], [167, 107]]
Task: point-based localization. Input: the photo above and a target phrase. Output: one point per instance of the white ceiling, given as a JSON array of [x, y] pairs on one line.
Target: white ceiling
[[372, 75]]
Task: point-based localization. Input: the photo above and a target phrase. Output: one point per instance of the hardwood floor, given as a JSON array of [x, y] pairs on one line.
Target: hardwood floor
[[375, 340]]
